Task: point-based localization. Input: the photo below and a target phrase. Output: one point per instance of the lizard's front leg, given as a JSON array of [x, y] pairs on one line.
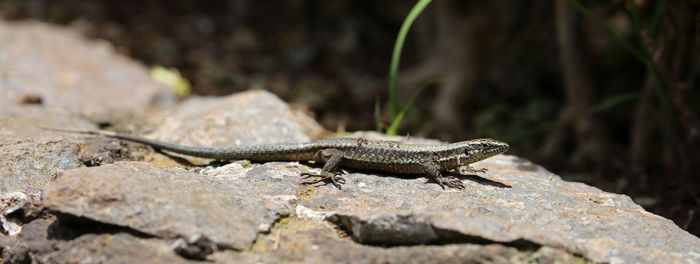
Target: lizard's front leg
[[332, 157], [431, 169]]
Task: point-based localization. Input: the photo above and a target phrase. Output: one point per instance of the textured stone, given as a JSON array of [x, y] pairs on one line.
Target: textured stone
[[174, 203], [45, 241], [309, 241], [114, 248], [253, 117], [56, 67], [31, 157], [515, 201]]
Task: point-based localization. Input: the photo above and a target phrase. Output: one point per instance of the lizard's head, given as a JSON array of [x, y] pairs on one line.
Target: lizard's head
[[479, 149]]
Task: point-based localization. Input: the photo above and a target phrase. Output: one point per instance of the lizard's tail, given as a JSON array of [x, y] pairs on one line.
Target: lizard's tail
[[252, 152], [203, 152], [82, 131]]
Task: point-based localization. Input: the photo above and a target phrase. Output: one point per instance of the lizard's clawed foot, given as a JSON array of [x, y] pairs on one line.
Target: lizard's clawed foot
[[327, 177], [451, 182], [481, 170]]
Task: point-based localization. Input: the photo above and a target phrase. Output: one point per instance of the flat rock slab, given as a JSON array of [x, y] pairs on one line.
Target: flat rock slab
[[515, 201], [32, 157], [304, 241], [59, 68], [230, 210], [114, 248], [252, 117], [41, 241]]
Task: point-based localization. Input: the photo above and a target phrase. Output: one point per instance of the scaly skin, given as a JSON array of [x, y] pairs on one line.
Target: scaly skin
[[361, 154]]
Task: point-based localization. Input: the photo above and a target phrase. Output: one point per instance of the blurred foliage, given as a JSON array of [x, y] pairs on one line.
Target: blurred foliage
[[173, 79], [611, 101]]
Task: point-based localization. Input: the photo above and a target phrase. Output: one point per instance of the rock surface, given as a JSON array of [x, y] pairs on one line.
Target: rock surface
[[174, 203], [515, 201], [43, 241], [254, 117], [57, 68], [167, 210], [303, 241], [32, 157]]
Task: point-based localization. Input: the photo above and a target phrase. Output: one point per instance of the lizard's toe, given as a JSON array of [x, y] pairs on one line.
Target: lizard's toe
[[454, 182], [325, 177], [481, 170], [337, 180]]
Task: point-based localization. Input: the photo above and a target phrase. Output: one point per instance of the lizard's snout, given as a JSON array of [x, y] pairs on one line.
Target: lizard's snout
[[488, 147], [500, 147]]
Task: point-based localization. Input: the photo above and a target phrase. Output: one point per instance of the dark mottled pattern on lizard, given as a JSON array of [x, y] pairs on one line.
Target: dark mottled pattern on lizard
[[361, 154]]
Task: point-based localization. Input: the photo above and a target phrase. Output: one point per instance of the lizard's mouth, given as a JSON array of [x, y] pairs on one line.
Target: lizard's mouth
[[500, 147]]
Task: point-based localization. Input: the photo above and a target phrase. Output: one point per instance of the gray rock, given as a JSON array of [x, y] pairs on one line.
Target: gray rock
[[515, 201], [56, 67], [29, 243], [45, 241], [253, 117], [195, 247], [230, 210], [10, 203], [304, 241], [114, 248], [32, 157]]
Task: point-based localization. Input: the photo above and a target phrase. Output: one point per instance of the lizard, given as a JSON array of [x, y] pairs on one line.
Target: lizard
[[353, 153]]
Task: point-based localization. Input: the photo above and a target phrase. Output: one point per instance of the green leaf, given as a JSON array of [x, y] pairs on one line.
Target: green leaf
[[396, 56]]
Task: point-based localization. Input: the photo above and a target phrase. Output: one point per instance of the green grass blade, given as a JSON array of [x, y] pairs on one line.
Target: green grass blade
[[396, 56]]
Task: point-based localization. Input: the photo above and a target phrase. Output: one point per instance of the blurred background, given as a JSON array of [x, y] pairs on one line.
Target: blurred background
[[619, 112]]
